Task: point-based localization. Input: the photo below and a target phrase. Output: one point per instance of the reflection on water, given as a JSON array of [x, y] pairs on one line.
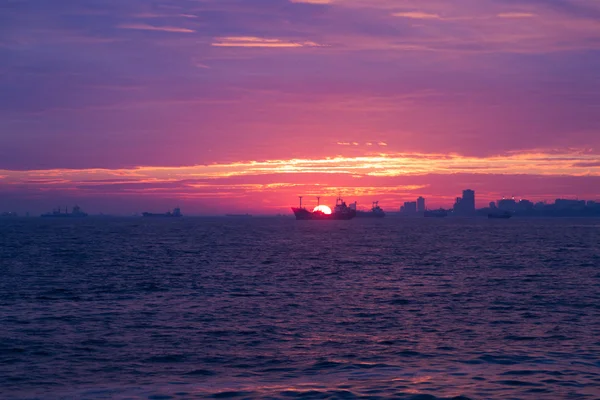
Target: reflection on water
[[309, 309]]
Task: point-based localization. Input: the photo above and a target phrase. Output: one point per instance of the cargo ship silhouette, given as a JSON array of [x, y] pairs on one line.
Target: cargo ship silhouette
[[500, 215], [341, 211], [175, 214], [441, 213], [76, 213], [376, 211]]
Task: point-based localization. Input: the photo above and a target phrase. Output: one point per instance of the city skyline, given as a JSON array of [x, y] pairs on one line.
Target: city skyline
[[464, 205], [231, 106]]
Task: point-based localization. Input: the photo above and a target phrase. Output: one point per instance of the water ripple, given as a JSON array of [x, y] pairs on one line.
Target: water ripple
[[273, 308]]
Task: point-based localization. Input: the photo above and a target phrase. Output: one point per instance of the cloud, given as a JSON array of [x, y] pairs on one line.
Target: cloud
[[587, 164], [416, 15], [146, 27], [507, 75], [392, 177], [387, 164], [516, 15], [156, 15], [312, 1], [251, 41]]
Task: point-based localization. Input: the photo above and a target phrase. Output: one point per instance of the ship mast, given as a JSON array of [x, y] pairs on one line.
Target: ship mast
[[300, 201], [318, 201]]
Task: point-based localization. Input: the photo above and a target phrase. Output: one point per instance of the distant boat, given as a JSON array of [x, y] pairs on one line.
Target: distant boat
[[441, 213], [76, 213], [376, 211], [239, 215], [9, 214], [500, 215], [175, 214]]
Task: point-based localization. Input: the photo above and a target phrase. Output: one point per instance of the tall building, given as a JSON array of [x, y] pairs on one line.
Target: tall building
[[409, 207], [468, 201], [420, 204], [465, 205]]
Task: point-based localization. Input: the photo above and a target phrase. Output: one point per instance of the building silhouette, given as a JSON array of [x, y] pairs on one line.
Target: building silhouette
[[468, 200], [409, 207], [420, 204], [507, 204], [567, 203], [465, 205], [511, 205]]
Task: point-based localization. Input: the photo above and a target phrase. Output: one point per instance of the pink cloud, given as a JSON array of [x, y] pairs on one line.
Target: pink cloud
[[146, 27]]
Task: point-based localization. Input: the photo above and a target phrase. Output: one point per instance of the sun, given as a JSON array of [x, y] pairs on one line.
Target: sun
[[324, 209]]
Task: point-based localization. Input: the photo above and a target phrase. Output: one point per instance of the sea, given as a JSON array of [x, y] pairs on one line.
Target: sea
[[274, 308]]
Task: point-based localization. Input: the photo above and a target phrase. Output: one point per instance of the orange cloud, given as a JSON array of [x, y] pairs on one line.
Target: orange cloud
[[516, 15], [272, 184], [252, 41], [416, 15], [574, 163]]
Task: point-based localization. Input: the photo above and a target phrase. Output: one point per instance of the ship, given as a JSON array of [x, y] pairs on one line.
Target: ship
[[239, 215], [441, 213], [176, 213], [500, 215], [341, 211], [9, 214], [376, 211], [76, 213]]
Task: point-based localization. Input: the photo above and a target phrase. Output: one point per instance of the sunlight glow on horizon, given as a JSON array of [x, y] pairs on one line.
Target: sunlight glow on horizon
[[389, 177], [324, 209]]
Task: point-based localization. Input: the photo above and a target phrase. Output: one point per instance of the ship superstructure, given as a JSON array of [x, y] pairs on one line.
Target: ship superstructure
[[376, 211]]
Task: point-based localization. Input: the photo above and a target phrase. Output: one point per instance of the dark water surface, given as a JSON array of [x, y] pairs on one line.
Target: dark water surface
[[278, 308]]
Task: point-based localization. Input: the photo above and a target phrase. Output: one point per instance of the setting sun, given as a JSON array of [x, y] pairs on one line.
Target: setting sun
[[324, 209]]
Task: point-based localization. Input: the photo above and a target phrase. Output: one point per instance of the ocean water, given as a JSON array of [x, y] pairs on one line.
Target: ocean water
[[278, 308]]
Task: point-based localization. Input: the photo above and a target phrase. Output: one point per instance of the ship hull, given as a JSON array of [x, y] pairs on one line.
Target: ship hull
[[63, 216], [435, 214], [360, 214], [9, 215], [305, 215], [500, 216], [76, 213], [148, 215]]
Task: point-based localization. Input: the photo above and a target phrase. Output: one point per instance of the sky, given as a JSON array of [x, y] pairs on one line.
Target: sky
[[243, 105]]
